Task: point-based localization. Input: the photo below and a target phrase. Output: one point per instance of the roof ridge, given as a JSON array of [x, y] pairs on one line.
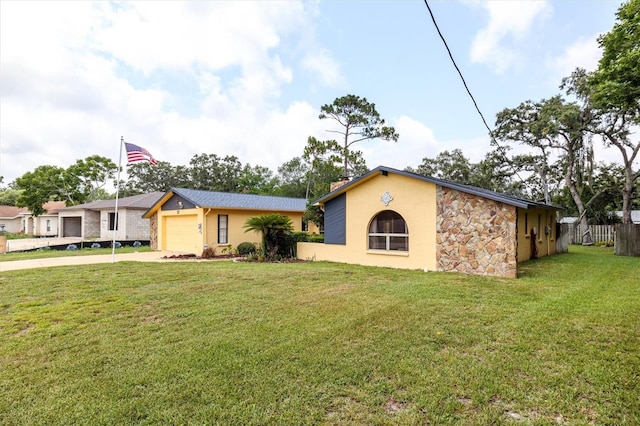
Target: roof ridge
[[474, 190]]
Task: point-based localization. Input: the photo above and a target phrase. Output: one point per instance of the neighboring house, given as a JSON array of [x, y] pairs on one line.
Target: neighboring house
[[20, 220], [11, 219], [45, 225], [635, 216], [187, 220], [398, 219], [97, 219], [568, 219]]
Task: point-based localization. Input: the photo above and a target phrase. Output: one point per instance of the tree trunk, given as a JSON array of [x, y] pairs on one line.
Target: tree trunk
[[626, 200], [586, 237], [345, 174], [545, 185], [587, 240], [629, 180], [629, 175]]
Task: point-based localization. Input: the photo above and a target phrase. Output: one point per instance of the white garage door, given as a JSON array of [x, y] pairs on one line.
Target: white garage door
[[181, 234]]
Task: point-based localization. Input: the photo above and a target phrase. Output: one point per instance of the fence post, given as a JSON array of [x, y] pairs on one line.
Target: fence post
[[563, 236], [627, 241]]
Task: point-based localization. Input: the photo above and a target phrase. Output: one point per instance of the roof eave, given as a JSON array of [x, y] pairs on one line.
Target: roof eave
[[147, 214], [503, 198]]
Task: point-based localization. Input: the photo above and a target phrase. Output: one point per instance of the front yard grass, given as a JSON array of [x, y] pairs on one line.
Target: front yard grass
[[321, 343], [46, 253]]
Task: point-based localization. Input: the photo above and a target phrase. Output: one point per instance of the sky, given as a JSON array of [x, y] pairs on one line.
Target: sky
[[248, 78]]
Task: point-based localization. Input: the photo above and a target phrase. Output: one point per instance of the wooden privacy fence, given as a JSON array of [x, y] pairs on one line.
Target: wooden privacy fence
[[627, 242], [599, 233], [625, 237]]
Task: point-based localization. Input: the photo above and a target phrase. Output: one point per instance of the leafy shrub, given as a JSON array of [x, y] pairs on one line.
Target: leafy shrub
[[309, 238], [287, 247], [209, 253], [604, 243], [315, 238], [300, 236], [246, 248], [229, 250]]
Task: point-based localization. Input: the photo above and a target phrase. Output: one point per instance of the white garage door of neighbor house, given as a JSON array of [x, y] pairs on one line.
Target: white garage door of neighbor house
[[181, 234]]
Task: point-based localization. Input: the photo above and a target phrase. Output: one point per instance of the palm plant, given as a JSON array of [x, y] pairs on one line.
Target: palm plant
[[272, 228]]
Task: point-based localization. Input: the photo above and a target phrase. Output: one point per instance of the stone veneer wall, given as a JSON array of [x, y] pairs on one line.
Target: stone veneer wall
[[475, 235], [153, 235]]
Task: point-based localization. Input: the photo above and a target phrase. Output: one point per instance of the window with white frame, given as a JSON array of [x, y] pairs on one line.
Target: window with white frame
[[48, 225], [223, 229], [388, 231]]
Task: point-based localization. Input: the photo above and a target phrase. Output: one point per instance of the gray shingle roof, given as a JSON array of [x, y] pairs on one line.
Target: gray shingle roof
[[241, 201], [491, 195], [142, 201]]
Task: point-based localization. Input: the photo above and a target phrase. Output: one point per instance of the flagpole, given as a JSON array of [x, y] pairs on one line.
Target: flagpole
[[116, 219]]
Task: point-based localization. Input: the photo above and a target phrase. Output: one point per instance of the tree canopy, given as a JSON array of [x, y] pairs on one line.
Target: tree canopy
[[558, 162], [611, 94], [358, 120], [615, 85]]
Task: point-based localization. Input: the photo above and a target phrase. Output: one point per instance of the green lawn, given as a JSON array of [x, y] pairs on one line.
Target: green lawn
[[322, 343], [43, 254]]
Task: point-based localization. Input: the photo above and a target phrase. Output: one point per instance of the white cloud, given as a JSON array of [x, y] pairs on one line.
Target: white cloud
[[475, 149], [416, 141], [66, 94], [499, 44], [583, 53], [179, 35], [322, 64]]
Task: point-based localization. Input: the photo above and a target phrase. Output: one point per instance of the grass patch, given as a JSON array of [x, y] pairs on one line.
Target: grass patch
[[15, 236], [47, 253], [321, 343]]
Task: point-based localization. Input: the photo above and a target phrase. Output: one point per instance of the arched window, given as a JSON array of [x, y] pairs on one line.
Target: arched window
[[388, 231]]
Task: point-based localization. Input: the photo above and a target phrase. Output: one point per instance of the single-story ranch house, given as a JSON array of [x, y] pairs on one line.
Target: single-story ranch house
[[187, 220], [11, 220], [17, 220], [399, 219], [96, 220]]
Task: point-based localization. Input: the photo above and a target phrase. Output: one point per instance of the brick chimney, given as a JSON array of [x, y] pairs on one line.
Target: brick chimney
[[336, 185]]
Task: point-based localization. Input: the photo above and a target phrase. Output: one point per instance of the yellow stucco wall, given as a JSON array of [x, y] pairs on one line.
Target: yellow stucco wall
[[416, 201], [540, 219], [205, 229], [237, 220], [413, 199]]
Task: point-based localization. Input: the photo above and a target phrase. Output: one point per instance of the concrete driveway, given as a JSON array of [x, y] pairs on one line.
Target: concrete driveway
[[23, 244], [154, 256]]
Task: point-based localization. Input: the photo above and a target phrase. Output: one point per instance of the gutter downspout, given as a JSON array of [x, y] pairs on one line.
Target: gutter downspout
[[204, 228]]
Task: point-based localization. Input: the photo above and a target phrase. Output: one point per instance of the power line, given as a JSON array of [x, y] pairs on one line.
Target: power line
[[464, 82], [457, 69]]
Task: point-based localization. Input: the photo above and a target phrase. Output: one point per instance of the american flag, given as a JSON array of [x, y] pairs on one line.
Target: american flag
[[136, 153]]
